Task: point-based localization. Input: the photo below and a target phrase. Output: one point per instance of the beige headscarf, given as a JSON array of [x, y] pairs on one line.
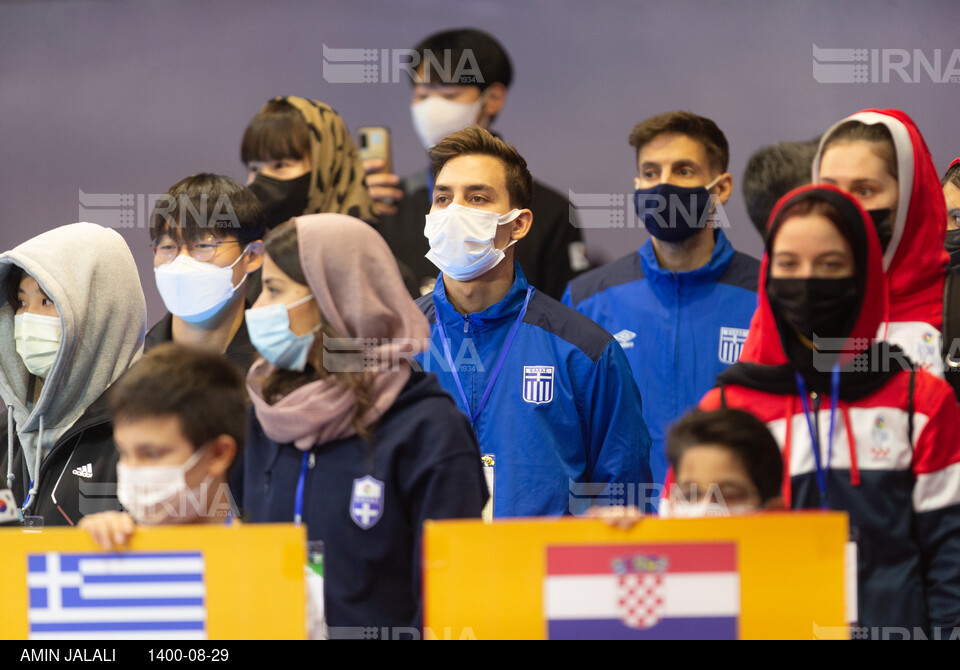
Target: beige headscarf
[[355, 280], [336, 172]]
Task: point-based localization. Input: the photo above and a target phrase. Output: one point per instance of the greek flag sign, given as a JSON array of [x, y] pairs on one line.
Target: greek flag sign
[[538, 384], [116, 596]]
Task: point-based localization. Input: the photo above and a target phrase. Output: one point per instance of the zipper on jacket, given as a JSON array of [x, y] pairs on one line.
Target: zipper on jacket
[[676, 348], [676, 324], [815, 407]]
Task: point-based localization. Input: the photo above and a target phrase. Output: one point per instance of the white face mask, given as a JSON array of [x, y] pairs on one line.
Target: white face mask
[[38, 340], [672, 509], [461, 240], [194, 290], [434, 117], [158, 494]]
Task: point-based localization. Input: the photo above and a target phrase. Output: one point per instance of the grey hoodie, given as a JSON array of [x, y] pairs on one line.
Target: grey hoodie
[[89, 273]]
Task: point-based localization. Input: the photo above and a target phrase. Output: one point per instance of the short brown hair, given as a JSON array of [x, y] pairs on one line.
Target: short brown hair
[[699, 128], [202, 389], [475, 141], [742, 434]]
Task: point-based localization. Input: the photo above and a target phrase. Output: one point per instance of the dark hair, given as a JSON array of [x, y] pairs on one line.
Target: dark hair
[[208, 203], [699, 128], [282, 246], [952, 175], [743, 434], [278, 131], [202, 389], [877, 134], [12, 285], [773, 171], [475, 141], [447, 49]]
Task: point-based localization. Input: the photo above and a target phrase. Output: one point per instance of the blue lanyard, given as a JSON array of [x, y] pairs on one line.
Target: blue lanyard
[[824, 469], [26, 501], [298, 502], [496, 369]]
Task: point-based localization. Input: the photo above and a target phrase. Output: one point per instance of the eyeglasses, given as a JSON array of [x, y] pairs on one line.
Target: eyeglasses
[[166, 249]]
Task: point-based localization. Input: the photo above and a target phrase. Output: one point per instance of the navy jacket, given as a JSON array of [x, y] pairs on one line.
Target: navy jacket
[[427, 464]]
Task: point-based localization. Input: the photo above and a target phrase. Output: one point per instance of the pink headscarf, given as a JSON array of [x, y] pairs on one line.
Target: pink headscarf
[[355, 280]]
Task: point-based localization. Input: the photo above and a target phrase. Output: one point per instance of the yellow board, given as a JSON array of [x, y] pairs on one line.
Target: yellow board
[[254, 574], [485, 581]]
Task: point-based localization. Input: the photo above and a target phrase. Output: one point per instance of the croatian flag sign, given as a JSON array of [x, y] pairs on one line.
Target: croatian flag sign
[[116, 596], [642, 591]]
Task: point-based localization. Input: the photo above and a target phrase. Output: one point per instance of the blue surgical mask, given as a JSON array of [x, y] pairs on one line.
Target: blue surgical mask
[[195, 290], [269, 329], [673, 213]]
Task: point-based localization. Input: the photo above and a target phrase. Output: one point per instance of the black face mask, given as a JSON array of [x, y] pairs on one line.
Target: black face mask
[[883, 224], [814, 306], [952, 245], [281, 199]]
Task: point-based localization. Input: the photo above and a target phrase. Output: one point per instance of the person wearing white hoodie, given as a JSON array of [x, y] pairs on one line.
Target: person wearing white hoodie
[[72, 320]]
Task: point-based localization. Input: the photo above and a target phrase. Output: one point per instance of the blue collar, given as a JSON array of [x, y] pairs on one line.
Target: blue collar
[[719, 260], [502, 312]]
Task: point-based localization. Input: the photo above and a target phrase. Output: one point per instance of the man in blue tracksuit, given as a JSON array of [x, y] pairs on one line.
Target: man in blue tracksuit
[[548, 392], [681, 306]]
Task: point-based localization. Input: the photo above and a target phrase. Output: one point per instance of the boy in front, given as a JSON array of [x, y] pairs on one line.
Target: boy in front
[[178, 422]]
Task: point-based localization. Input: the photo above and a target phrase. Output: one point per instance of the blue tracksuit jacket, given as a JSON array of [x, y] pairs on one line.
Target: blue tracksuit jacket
[[563, 422], [679, 330]]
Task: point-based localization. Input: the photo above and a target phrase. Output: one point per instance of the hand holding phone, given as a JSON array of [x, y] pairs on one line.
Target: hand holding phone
[[382, 183]]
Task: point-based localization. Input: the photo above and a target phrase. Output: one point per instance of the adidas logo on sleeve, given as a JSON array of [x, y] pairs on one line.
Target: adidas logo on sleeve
[[85, 471]]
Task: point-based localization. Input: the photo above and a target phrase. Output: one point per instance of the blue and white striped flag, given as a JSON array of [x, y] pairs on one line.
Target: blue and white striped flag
[[117, 596]]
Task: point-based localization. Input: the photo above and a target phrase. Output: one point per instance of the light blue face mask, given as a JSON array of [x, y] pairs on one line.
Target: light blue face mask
[[269, 329]]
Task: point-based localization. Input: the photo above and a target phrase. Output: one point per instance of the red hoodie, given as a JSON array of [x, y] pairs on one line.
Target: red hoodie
[[893, 459], [915, 261]]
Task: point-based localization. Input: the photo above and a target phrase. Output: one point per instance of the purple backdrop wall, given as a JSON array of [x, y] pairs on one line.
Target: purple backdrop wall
[[128, 97]]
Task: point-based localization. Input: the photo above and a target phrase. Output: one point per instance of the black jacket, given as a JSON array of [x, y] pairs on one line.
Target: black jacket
[[78, 476], [240, 351]]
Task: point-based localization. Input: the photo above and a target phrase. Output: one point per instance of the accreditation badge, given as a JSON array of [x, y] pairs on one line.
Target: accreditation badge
[[488, 461]]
